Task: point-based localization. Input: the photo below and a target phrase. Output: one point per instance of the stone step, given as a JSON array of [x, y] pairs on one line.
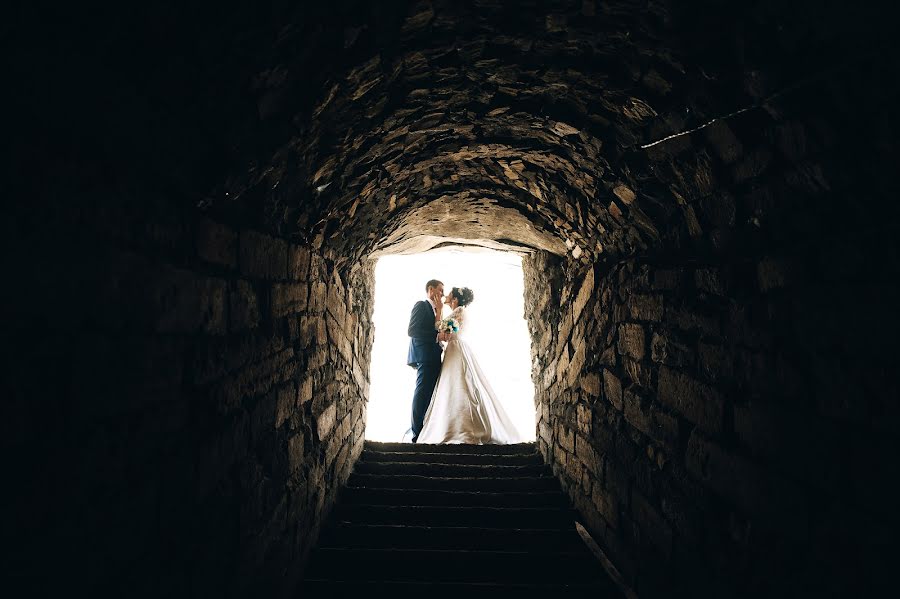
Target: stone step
[[384, 536], [490, 517], [316, 587], [519, 448], [497, 459], [435, 565], [451, 521], [451, 470], [432, 497], [416, 481]]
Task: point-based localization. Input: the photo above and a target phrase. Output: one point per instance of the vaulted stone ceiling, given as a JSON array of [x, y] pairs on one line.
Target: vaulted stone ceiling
[[393, 126], [191, 323], [500, 124]]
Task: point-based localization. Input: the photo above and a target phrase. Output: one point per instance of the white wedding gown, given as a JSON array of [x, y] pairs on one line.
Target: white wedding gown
[[464, 408]]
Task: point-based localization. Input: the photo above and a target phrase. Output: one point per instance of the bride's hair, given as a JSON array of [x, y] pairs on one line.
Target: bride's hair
[[463, 294]]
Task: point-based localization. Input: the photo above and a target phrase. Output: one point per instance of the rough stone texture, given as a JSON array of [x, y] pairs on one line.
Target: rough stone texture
[[263, 256], [210, 418], [727, 439], [697, 402], [648, 453], [189, 240]]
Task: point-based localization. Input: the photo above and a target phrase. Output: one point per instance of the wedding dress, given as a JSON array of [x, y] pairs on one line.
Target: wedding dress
[[464, 408]]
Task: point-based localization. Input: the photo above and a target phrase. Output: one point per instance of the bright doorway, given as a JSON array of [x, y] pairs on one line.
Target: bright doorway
[[496, 329]]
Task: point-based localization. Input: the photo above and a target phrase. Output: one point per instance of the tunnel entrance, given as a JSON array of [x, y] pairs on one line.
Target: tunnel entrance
[[498, 333], [703, 198]]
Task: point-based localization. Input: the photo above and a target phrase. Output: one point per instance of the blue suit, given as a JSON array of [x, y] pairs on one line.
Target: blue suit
[[425, 356]]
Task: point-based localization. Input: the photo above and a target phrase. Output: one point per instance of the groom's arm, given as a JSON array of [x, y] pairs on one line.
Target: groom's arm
[[421, 321]]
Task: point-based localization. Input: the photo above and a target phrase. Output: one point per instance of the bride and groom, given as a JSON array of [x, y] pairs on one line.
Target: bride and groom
[[453, 401]]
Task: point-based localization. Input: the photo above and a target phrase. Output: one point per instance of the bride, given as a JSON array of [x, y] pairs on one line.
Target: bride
[[463, 406]]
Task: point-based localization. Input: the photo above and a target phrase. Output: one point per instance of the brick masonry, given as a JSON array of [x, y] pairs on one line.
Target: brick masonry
[[188, 287], [218, 397], [696, 434]]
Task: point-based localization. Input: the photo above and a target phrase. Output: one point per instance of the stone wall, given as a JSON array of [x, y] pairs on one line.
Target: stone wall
[[185, 397], [187, 304], [707, 436], [720, 409]]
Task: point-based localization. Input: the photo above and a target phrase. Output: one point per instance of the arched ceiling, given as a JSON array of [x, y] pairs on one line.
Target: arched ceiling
[[518, 125], [507, 125], [361, 127]]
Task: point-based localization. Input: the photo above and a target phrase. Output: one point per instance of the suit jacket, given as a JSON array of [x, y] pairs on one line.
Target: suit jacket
[[423, 344]]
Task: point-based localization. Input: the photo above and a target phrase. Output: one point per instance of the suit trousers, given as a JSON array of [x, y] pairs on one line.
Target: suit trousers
[[426, 377]]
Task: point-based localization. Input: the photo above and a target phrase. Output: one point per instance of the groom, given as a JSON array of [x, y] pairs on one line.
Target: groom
[[425, 351]]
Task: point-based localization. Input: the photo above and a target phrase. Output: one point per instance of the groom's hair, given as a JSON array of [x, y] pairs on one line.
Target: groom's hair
[[432, 283]]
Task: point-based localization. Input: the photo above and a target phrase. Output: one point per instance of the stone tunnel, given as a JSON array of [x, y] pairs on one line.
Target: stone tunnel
[[704, 196]]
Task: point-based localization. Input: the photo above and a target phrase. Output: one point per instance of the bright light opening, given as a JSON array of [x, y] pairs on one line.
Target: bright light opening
[[495, 328]]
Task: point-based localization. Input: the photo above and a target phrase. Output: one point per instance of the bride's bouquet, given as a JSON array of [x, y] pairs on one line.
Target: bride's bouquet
[[448, 325]]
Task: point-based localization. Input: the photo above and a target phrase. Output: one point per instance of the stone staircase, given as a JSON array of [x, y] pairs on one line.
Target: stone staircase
[[453, 521]]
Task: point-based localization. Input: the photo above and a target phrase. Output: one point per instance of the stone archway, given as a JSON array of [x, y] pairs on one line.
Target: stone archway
[[690, 184]]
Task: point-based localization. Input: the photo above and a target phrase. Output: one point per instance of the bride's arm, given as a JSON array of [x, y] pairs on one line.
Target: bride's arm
[[458, 314]]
